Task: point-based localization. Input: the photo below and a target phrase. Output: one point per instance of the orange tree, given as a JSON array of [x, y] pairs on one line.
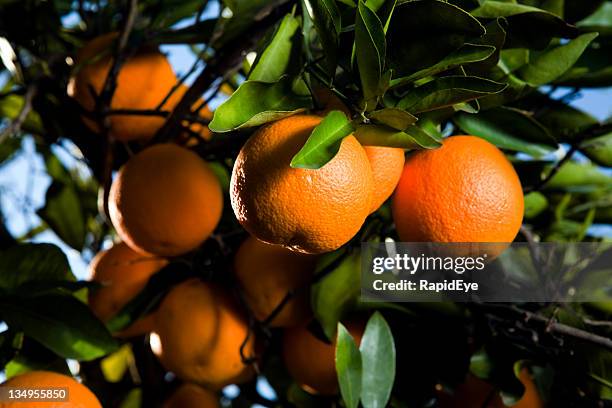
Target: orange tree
[[316, 103]]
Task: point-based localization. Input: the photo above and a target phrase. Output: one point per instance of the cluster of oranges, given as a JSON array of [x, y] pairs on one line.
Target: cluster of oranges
[[166, 201]]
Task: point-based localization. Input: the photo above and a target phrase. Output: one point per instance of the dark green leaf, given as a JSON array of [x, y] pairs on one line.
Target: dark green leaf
[[63, 324], [564, 121], [32, 262], [324, 142], [8, 148], [551, 64], [413, 137], [494, 37], [393, 117], [326, 18], [599, 149], [198, 33], [338, 292], [509, 129], [168, 12], [348, 367], [424, 32], [34, 356], [370, 50], [468, 53], [63, 213], [447, 91], [577, 10], [274, 61], [255, 103], [528, 27], [378, 360]]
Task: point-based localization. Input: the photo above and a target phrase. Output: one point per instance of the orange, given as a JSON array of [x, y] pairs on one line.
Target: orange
[[165, 201], [123, 273], [387, 165], [192, 396], [464, 191], [200, 332], [266, 273], [305, 210], [79, 396], [475, 392], [143, 82], [312, 362]]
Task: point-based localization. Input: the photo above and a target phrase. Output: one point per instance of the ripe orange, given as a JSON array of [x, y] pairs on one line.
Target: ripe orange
[[123, 273], [165, 200], [266, 273], [464, 191], [200, 332], [309, 211], [387, 165], [192, 396], [475, 392], [312, 362], [143, 82], [79, 396]]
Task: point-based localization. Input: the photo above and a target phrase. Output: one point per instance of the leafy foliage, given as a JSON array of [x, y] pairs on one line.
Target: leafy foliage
[[408, 72]]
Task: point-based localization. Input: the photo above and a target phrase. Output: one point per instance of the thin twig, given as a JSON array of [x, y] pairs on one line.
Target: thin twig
[[551, 325], [15, 125], [227, 60]]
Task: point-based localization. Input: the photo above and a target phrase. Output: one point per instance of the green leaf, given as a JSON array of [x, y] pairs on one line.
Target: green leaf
[[494, 37], [600, 20], [63, 324], [378, 360], [551, 64], [412, 137], [510, 129], [25, 263], [447, 91], [255, 103], [423, 33], [8, 148], [326, 18], [168, 12], [564, 121], [370, 50], [592, 68], [33, 356], [63, 213], [337, 292], [468, 53], [599, 149], [579, 175], [348, 367], [535, 204], [393, 117], [528, 27], [324, 142], [275, 59]]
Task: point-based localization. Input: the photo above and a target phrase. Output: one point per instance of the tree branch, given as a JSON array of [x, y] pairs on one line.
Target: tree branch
[[226, 60]]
